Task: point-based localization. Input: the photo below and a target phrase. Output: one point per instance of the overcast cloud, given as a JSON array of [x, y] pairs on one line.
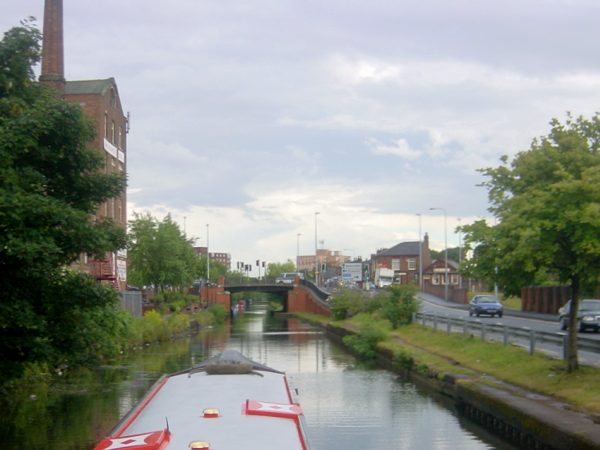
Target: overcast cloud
[[251, 116]]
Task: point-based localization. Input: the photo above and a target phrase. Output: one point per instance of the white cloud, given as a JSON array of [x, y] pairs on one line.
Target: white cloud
[[399, 148]]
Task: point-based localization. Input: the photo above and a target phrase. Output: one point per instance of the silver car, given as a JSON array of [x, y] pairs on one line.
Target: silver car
[[588, 315]]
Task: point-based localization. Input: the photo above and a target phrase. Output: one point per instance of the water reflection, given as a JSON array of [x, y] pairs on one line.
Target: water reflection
[[346, 405]]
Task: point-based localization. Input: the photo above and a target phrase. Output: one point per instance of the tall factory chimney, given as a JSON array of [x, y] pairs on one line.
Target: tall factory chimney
[[53, 60]]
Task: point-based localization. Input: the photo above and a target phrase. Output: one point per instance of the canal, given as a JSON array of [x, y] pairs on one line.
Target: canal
[[347, 405]]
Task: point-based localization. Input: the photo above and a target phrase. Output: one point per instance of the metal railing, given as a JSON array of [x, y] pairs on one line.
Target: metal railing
[[509, 334]]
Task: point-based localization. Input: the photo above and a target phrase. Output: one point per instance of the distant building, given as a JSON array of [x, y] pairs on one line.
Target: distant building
[[99, 100], [329, 263], [404, 259], [223, 258], [435, 273]]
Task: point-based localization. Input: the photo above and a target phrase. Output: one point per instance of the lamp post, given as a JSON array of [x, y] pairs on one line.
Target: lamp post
[[316, 253], [298, 252], [420, 256], [445, 251], [207, 256], [459, 254]]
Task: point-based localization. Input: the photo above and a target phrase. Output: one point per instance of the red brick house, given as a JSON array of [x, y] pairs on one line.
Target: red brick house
[[404, 259]]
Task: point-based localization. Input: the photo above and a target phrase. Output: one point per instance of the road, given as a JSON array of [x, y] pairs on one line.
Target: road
[[536, 322]]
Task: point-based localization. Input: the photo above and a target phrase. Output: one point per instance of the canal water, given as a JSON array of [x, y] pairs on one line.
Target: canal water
[[347, 405]]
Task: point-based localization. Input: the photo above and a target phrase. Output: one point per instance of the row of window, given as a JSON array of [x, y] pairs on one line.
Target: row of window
[[112, 133]]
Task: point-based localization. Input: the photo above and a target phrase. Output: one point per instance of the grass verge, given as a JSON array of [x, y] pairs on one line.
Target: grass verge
[[435, 352], [537, 372]]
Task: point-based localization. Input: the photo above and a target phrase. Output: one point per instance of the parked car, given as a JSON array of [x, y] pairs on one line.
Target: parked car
[[485, 304], [588, 315]]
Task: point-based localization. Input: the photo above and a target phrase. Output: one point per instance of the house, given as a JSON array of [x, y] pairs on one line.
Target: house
[[434, 274], [406, 259]]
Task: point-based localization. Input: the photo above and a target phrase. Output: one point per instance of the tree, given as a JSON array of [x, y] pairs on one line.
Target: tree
[[51, 184], [547, 202], [275, 269], [160, 255]]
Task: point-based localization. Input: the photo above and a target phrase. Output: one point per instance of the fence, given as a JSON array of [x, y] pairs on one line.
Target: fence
[[132, 301], [509, 334]]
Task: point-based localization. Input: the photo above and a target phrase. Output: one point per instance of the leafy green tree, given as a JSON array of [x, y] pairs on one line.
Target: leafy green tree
[[452, 254], [160, 255], [275, 269], [51, 184], [547, 202]]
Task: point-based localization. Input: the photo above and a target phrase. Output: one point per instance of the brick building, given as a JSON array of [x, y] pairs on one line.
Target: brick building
[[329, 263], [100, 102], [404, 260], [223, 258]]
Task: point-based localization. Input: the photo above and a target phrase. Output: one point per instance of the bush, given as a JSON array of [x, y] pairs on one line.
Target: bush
[[399, 305], [347, 303], [364, 343], [219, 313]]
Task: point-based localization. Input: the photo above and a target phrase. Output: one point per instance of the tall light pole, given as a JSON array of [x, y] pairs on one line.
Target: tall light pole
[[445, 251], [420, 256], [316, 253], [459, 254], [298, 252], [207, 256]]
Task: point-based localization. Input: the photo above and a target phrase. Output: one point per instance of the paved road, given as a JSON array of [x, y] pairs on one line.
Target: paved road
[[537, 322]]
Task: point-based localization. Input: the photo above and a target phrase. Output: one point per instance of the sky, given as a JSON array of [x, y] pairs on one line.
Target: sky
[[248, 117]]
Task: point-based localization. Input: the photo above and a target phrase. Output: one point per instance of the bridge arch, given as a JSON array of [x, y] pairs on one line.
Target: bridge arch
[[302, 296]]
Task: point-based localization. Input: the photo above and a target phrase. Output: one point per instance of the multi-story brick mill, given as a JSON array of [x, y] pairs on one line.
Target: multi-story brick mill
[[99, 100]]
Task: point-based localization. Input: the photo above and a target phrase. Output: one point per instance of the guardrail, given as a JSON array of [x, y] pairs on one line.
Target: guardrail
[[509, 334]]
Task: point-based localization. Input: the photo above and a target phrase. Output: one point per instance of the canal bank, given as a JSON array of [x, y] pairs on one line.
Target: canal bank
[[523, 418]]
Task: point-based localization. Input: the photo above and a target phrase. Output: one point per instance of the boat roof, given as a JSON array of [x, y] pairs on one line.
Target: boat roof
[[251, 407]]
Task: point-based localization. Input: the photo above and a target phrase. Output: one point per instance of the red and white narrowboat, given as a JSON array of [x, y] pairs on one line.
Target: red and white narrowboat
[[227, 402]]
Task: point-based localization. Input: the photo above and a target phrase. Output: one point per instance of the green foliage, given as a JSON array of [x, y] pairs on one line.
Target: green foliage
[[219, 313], [364, 343], [173, 301], [160, 255], [51, 182], [399, 304], [547, 202], [347, 303], [453, 254], [216, 270], [275, 269]]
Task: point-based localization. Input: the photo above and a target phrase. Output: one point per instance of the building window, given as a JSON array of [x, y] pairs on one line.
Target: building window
[[112, 131], [395, 264], [412, 264], [106, 125], [435, 279], [120, 143]]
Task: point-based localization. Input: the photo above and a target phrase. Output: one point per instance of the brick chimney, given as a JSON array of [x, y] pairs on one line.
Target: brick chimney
[[53, 64]]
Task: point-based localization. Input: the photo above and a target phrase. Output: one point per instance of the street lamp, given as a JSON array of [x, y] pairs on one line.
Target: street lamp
[[316, 253], [298, 252], [207, 257], [445, 251], [420, 256], [459, 253]]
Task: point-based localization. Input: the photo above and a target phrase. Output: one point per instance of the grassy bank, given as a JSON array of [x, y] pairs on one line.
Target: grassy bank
[[436, 353], [156, 327]]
